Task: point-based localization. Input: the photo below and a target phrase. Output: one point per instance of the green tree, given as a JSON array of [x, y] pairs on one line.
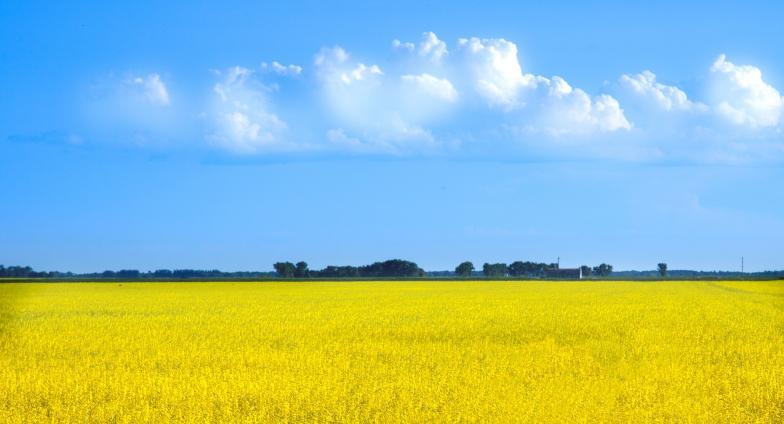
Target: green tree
[[301, 270], [494, 270], [586, 270], [285, 269], [603, 270], [662, 269], [391, 268], [464, 269], [518, 268]]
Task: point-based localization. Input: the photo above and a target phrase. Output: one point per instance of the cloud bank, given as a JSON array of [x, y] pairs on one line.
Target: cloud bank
[[428, 97]]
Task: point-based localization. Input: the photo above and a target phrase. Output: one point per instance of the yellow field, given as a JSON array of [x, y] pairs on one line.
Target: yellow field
[[402, 351]]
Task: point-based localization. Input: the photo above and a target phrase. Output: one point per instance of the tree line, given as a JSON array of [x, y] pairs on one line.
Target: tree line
[[181, 274], [402, 268], [394, 268], [389, 268], [526, 269], [130, 274], [24, 272]]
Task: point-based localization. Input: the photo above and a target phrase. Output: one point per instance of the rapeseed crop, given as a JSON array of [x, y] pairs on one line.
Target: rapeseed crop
[[392, 352]]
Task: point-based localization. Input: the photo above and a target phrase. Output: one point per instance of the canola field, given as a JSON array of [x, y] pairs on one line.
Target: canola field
[[392, 352]]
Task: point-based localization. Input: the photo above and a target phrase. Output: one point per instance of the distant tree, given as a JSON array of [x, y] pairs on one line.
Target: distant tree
[[285, 269], [464, 269], [128, 273], [494, 270], [662, 269], [301, 270], [518, 268], [184, 273], [332, 271], [21, 272], [163, 273], [532, 269], [586, 270], [529, 268], [602, 270], [391, 268]]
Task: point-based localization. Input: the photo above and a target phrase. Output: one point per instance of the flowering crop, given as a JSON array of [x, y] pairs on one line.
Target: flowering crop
[[392, 351]]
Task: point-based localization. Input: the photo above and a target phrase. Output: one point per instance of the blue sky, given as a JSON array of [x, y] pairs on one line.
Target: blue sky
[[231, 135]]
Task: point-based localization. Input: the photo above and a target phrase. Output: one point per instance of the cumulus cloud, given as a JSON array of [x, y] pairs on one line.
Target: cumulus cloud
[[348, 87], [430, 47], [241, 121], [400, 45], [430, 86], [431, 98], [360, 72], [546, 105], [570, 111], [386, 113], [283, 70], [659, 111], [335, 67], [495, 71], [664, 97], [389, 112], [742, 97]]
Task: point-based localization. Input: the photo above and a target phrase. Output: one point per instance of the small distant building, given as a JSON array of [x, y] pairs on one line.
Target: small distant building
[[564, 273]]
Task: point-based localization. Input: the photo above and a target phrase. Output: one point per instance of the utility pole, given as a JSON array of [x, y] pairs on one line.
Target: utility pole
[[558, 263], [741, 264]]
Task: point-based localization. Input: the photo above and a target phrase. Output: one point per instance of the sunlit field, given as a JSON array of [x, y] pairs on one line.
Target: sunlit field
[[392, 351]]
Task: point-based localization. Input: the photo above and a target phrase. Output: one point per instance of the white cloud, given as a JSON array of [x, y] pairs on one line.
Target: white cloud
[[570, 111], [663, 114], [391, 108], [607, 114], [742, 97], [283, 70], [348, 87], [495, 71], [430, 47], [241, 120], [399, 45], [438, 88], [431, 98], [360, 72], [334, 66], [387, 113], [547, 105], [151, 88], [665, 97]]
